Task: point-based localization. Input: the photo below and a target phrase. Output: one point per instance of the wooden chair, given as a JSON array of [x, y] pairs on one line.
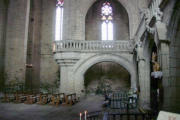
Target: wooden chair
[[20, 97], [53, 99], [71, 99], [57, 99], [8, 94], [6, 98], [62, 97], [31, 99], [43, 99]]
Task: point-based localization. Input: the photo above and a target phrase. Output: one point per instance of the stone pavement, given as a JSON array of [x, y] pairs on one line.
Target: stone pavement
[[12, 111]]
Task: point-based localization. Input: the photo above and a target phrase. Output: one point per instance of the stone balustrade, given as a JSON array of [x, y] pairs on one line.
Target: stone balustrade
[[93, 46]]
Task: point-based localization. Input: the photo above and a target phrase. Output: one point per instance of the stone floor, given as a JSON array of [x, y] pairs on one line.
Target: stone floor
[[12, 111]]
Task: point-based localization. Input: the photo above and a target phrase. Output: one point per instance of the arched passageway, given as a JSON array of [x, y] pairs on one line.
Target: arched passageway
[[82, 67], [106, 77]]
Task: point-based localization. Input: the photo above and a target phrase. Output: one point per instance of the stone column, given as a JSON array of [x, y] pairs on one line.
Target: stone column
[[66, 79], [47, 38], [16, 39], [144, 78], [66, 61], [3, 24], [164, 63], [36, 41]]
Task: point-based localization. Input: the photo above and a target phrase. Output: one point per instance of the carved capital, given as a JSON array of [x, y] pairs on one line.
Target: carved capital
[[161, 30], [158, 14]]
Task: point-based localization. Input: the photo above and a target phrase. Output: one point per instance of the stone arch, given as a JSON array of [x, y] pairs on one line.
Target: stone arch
[[129, 7], [85, 64], [120, 21]]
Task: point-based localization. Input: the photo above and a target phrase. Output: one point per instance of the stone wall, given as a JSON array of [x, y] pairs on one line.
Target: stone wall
[[29, 37], [75, 12], [41, 37], [120, 22], [172, 91], [3, 19], [33, 45], [48, 67], [16, 39], [20, 22]]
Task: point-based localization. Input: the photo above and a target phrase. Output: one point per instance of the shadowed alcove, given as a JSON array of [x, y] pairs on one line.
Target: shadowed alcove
[[106, 76]]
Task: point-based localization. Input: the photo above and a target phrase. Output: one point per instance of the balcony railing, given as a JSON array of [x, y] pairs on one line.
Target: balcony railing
[[93, 46]]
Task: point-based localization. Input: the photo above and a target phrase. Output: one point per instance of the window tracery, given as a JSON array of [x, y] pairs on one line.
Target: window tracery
[[107, 25]]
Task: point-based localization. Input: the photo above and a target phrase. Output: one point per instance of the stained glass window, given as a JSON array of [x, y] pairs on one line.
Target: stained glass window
[[59, 20], [107, 25]]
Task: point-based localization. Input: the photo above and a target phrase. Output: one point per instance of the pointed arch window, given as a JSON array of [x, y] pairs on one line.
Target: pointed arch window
[[107, 25], [59, 20]]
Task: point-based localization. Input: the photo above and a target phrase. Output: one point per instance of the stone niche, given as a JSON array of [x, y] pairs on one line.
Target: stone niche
[[106, 76], [120, 21]]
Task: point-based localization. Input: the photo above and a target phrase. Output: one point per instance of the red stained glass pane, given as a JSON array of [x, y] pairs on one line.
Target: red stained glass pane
[[106, 12], [60, 3]]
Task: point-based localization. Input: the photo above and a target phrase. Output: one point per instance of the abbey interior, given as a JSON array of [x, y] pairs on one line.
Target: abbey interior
[[89, 59]]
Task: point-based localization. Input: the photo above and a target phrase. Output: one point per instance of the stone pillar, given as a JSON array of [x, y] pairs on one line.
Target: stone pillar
[[3, 23], [47, 37], [33, 46], [66, 79], [164, 63], [36, 40], [144, 78], [66, 62], [16, 39]]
